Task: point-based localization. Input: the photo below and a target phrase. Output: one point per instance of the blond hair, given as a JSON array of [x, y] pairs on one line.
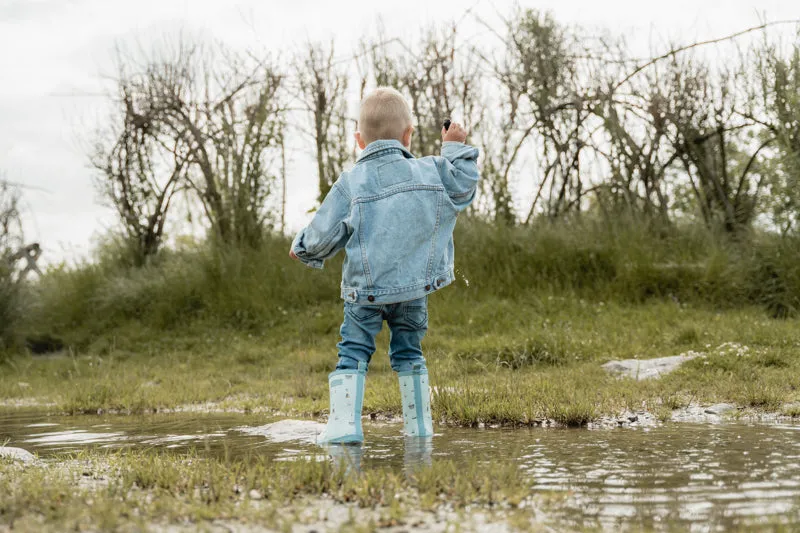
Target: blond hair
[[384, 115]]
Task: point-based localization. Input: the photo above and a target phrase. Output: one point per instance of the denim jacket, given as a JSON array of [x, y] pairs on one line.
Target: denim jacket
[[394, 216]]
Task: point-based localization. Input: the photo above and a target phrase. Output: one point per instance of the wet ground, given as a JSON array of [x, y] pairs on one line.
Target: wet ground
[[688, 475]]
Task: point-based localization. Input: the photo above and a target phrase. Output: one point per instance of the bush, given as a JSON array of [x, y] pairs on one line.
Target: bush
[[243, 288], [8, 311], [630, 261], [256, 289], [771, 275], [621, 260]]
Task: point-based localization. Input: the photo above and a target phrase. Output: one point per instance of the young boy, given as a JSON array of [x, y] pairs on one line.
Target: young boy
[[394, 216]]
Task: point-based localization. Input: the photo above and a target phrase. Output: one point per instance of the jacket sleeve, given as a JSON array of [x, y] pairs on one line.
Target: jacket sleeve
[[328, 232], [459, 172]]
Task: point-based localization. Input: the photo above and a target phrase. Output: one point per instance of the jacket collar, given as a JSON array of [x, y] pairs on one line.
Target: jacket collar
[[376, 147]]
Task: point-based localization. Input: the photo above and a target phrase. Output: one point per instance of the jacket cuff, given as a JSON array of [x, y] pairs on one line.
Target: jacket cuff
[[452, 150], [302, 255]]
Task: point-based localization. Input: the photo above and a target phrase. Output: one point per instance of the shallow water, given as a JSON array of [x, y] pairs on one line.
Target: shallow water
[[697, 477]]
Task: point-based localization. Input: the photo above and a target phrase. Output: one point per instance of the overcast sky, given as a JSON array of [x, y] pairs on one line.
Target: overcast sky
[[55, 54]]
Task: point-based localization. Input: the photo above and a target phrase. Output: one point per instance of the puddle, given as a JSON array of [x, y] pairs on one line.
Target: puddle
[[697, 477]]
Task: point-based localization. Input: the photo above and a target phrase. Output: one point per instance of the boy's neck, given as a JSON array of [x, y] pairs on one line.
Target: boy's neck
[[407, 147]]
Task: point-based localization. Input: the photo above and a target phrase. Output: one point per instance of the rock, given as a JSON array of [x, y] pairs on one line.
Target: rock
[[254, 494], [288, 430], [719, 409], [712, 414], [16, 454], [639, 419], [640, 369]]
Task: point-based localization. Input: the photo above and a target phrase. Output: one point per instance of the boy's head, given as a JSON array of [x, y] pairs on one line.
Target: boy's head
[[384, 115]]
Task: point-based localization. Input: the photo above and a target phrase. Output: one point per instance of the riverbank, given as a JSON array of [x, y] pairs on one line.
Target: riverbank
[[518, 342], [533, 362], [496, 361], [253, 473]]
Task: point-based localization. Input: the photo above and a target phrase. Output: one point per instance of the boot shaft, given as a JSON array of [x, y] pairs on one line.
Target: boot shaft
[[346, 401], [415, 394]]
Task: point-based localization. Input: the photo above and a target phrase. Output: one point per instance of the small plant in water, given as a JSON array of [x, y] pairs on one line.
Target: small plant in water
[[573, 414]]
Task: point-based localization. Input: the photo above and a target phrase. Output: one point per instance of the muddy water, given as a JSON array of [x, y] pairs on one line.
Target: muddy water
[[697, 477]]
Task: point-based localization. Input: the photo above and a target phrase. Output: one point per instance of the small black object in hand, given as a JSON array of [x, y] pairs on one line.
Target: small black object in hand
[[446, 124]]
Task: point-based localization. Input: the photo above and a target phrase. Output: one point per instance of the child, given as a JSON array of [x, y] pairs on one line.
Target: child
[[394, 216]]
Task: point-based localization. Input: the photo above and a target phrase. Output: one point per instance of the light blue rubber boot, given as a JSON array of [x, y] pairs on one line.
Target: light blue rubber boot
[[347, 398], [416, 397]]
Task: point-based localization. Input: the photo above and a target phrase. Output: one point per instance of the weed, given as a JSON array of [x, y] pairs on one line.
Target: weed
[[792, 411], [687, 337], [761, 394], [142, 487], [258, 290]]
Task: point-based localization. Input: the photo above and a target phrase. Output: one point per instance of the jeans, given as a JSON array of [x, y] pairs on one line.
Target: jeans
[[408, 323]]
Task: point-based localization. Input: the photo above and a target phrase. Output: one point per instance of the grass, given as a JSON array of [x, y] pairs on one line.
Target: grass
[[519, 339], [137, 490], [253, 290], [494, 361], [11, 308], [152, 489]]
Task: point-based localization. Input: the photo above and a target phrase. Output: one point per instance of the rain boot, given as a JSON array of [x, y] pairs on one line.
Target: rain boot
[[347, 397], [416, 396]]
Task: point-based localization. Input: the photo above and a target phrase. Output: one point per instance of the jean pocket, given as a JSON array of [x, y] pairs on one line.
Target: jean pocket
[[363, 312], [417, 316]]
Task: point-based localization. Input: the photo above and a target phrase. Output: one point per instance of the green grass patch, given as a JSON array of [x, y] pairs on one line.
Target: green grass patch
[[491, 362], [520, 337], [141, 489]]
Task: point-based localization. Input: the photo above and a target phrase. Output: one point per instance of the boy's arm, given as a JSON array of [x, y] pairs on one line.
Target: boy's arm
[[328, 232], [460, 167]]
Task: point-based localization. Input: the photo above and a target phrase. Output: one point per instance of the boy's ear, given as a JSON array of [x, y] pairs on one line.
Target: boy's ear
[[360, 141], [407, 136]]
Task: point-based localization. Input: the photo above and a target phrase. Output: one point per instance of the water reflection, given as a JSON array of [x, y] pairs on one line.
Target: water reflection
[[724, 475], [417, 452], [347, 456], [695, 477]]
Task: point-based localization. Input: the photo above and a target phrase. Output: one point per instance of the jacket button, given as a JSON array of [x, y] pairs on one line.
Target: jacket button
[[371, 298], [427, 287]]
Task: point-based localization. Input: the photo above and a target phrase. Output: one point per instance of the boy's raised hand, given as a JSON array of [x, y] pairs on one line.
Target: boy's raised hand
[[455, 132]]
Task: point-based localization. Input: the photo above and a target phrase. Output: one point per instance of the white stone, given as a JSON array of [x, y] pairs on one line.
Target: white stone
[[288, 430], [720, 409], [640, 369], [16, 454]]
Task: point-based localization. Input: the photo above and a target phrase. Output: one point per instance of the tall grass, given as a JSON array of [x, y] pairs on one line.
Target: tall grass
[[258, 288], [243, 288], [630, 261], [10, 312]]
